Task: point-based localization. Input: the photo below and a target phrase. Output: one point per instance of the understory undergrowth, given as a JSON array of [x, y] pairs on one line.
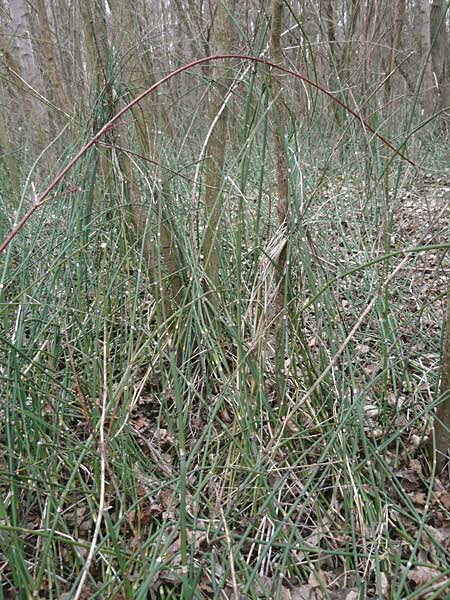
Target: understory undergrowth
[[159, 452]]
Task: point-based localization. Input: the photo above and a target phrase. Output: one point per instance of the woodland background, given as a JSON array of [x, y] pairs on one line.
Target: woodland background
[[221, 343]]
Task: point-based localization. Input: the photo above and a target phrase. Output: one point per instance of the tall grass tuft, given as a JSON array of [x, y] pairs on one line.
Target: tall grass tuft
[[145, 454]]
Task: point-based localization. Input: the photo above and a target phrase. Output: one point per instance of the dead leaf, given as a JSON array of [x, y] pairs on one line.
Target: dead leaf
[[416, 465], [291, 427], [429, 539], [197, 538], [345, 594], [319, 579], [409, 475], [444, 498], [419, 498], [422, 575], [140, 423], [305, 592], [410, 479]]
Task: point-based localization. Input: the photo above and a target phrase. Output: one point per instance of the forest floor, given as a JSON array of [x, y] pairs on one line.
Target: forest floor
[[421, 219], [204, 488]]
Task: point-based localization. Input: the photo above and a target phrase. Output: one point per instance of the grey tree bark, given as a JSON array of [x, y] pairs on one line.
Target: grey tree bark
[[440, 52], [26, 69], [53, 73], [428, 84]]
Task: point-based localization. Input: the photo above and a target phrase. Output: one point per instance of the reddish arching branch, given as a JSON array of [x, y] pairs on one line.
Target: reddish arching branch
[[40, 201]]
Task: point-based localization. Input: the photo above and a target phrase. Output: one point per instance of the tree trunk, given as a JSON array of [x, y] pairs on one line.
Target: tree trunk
[[21, 49], [54, 87], [223, 42], [280, 128], [9, 157], [428, 85], [125, 20], [399, 20], [442, 422], [96, 41], [334, 61], [440, 52]]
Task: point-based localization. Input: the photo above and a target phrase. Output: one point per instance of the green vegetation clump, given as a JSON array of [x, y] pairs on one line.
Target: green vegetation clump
[[221, 331]]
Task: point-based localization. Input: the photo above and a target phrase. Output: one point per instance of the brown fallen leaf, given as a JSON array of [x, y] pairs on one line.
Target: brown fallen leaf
[[410, 475], [319, 579], [422, 575], [444, 498], [410, 479], [345, 594], [302, 592], [419, 498], [140, 422]]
